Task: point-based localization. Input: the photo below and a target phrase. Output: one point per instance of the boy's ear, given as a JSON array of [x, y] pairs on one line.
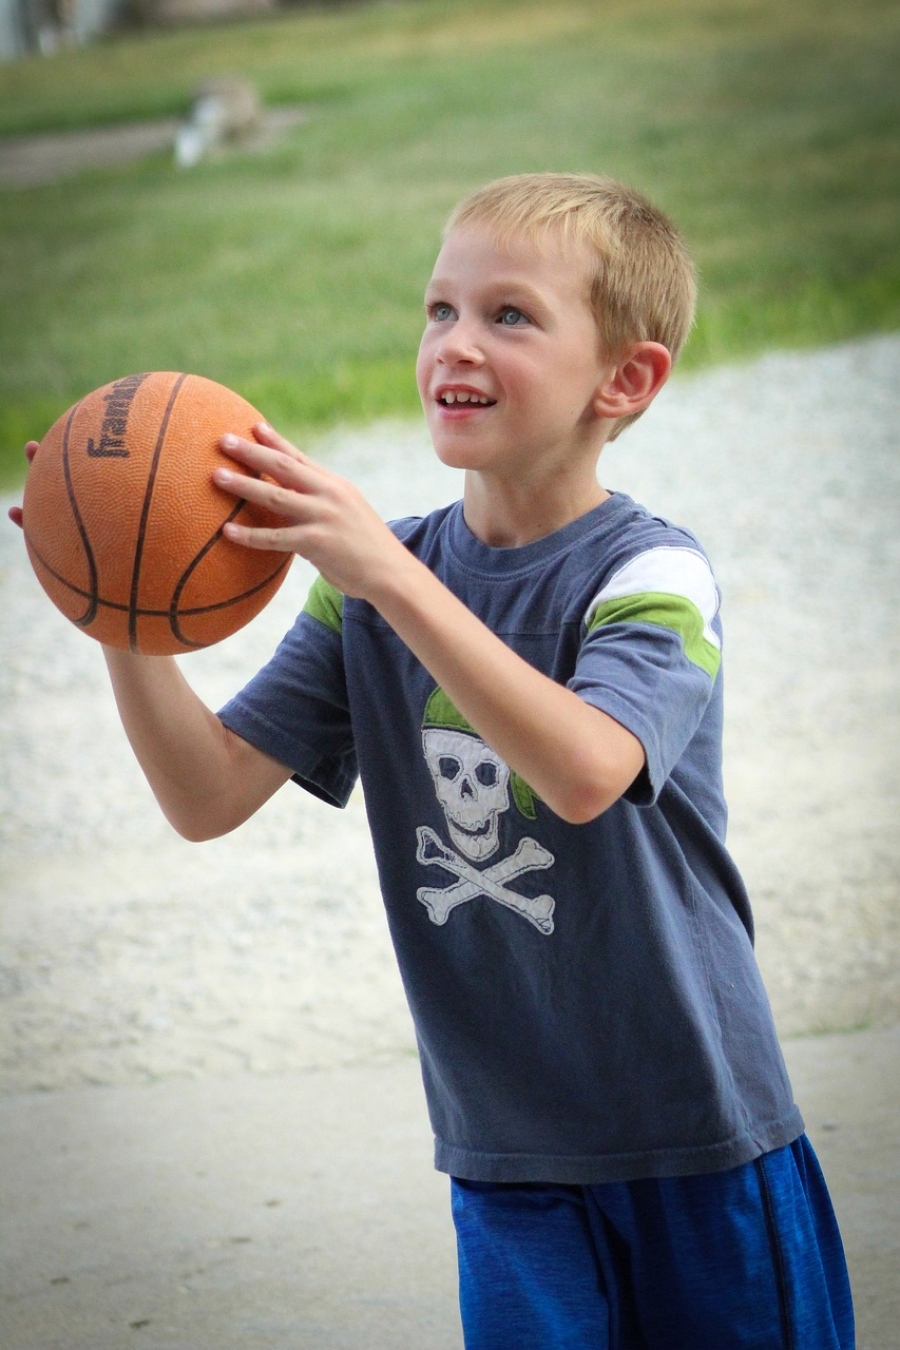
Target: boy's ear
[[634, 381]]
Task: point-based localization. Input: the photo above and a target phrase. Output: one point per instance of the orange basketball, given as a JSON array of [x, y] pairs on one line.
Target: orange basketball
[[123, 523]]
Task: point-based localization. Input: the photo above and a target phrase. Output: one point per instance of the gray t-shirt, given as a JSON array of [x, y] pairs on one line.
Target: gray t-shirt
[[586, 999]]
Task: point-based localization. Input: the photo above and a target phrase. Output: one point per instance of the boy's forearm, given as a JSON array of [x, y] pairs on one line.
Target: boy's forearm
[[205, 779], [575, 757]]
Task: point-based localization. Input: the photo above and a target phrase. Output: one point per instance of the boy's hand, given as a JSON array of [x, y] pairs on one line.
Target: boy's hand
[[15, 512], [326, 519]]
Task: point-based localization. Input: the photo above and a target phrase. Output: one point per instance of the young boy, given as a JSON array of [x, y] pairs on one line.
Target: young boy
[[528, 684]]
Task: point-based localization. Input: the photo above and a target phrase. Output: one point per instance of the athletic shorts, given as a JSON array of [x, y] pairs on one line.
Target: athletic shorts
[[748, 1259]]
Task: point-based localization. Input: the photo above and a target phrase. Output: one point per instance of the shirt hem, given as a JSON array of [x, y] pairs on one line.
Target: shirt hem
[[591, 1170]]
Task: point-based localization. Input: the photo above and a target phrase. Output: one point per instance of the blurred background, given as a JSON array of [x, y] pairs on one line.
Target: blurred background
[[279, 240], [253, 191]]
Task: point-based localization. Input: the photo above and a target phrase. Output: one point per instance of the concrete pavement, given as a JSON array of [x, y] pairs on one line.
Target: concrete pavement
[[301, 1211]]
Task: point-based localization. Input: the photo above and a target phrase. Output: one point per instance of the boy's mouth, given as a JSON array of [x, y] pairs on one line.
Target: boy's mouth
[[450, 398]]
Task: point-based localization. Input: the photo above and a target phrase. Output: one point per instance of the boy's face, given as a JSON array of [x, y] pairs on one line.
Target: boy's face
[[510, 359]]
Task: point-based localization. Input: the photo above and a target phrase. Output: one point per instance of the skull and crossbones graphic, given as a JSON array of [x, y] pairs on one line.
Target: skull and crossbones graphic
[[472, 786]]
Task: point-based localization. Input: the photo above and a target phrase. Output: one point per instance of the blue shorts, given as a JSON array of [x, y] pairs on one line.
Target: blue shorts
[[748, 1259]]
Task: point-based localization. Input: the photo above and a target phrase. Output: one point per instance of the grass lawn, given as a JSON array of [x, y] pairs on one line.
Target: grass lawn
[[295, 274]]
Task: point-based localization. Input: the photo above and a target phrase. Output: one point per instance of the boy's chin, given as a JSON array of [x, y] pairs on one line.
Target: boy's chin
[[459, 450], [460, 456]]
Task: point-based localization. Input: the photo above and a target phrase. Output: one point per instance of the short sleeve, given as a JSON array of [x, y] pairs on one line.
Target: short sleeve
[[296, 707], [650, 654]]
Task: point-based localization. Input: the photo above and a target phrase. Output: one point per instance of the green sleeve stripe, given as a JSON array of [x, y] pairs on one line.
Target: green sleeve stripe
[[674, 612], [325, 603]]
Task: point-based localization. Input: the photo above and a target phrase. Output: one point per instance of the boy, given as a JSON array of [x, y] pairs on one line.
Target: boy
[[528, 684]]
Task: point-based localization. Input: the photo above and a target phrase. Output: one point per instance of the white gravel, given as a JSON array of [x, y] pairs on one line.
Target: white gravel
[[129, 955]]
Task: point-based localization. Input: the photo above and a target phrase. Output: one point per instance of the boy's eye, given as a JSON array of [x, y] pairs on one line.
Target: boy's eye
[[510, 317], [440, 311]]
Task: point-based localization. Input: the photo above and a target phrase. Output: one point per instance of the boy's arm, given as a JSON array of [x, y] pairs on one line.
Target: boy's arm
[[206, 779], [576, 758]]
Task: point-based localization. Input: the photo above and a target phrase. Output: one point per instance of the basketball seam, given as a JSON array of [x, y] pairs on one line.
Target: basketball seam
[[176, 613], [161, 613], [191, 568], [93, 594], [145, 513]]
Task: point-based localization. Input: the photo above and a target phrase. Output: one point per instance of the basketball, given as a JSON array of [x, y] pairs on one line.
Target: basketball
[[123, 524]]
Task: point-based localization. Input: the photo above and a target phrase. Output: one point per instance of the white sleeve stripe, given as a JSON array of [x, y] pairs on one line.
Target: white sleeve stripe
[[665, 571]]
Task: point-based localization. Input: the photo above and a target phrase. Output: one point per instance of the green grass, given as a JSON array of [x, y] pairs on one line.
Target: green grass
[[769, 132]]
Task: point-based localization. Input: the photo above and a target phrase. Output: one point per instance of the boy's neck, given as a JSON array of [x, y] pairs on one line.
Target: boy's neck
[[511, 515]]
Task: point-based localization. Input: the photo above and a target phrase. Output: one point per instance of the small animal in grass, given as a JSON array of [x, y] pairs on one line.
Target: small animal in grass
[[223, 111]]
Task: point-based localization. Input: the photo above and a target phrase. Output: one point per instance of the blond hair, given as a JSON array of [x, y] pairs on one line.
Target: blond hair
[[643, 285]]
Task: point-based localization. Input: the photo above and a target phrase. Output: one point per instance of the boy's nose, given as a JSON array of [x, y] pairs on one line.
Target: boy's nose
[[459, 346]]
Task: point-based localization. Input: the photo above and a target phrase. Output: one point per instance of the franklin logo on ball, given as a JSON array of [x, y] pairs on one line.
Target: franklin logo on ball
[[111, 444]]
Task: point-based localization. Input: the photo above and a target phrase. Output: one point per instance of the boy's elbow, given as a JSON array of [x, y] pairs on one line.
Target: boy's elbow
[[581, 806], [196, 823], [593, 787], [215, 803], [196, 833]]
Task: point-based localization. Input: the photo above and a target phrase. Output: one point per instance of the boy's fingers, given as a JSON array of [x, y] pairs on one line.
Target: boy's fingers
[[272, 540], [15, 512], [276, 457], [245, 485], [284, 499], [267, 435]]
